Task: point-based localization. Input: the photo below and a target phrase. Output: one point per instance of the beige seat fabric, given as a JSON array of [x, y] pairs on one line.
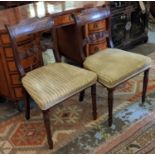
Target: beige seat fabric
[[113, 65], [53, 83]]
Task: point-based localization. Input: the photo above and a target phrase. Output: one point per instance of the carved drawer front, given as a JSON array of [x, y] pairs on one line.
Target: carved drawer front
[[18, 92], [8, 53], [93, 48], [11, 66], [5, 39], [15, 79], [100, 25], [64, 19]]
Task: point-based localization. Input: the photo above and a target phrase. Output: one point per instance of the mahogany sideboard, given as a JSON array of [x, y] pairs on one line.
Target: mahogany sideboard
[[10, 86]]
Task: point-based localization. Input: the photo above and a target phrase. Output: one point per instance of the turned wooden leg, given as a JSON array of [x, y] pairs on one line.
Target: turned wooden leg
[[110, 106], [145, 83], [47, 127], [82, 94], [27, 105], [93, 94]]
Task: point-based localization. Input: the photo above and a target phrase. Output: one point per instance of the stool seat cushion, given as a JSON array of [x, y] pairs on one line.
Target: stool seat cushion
[[51, 84], [113, 65]]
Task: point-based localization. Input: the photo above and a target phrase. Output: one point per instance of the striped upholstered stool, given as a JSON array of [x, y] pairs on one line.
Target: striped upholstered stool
[[51, 84], [112, 66]]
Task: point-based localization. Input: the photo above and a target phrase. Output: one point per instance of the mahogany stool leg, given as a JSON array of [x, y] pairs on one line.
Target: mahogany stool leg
[[47, 127], [93, 94], [145, 83], [82, 94], [27, 105], [110, 105]]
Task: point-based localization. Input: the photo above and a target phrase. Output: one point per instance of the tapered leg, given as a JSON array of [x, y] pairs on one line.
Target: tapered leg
[[145, 83], [82, 94], [48, 129], [93, 94], [110, 106], [27, 105]]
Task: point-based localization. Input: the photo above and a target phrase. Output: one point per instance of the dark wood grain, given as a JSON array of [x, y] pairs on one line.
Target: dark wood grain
[[110, 105], [91, 15], [27, 105], [93, 94], [145, 83], [81, 97], [46, 118], [86, 17], [30, 56]]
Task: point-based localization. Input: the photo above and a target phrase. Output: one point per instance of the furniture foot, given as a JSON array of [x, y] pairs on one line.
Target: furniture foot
[[145, 83], [47, 127], [110, 106], [93, 94]]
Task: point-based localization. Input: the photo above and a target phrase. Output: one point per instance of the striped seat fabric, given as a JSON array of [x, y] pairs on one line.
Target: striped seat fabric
[[113, 65], [51, 84]]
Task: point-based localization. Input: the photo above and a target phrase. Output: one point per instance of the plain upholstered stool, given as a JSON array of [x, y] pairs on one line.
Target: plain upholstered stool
[[114, 66]]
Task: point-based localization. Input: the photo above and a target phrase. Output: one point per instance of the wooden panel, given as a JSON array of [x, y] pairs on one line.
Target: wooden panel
[[18, 92], [61, 10], [93, 48], [15, 15], [15, 79], [5, 39], [65, 19], [26, 63], [4, 90], [100, 25], [8, 52], [12, 66]]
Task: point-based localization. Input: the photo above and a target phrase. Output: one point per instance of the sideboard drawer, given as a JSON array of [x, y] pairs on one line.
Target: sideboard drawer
[[5, 39], [15, 79], [97, 26], [18, 92], [8, 52], [64, 19], [93, 48], [11, 66]]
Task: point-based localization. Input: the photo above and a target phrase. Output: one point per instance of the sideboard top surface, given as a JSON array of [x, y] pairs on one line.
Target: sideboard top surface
[[12, 16]]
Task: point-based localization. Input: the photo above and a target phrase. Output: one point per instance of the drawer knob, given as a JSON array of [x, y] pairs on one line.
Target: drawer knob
[[96, 49], [95, 25]]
